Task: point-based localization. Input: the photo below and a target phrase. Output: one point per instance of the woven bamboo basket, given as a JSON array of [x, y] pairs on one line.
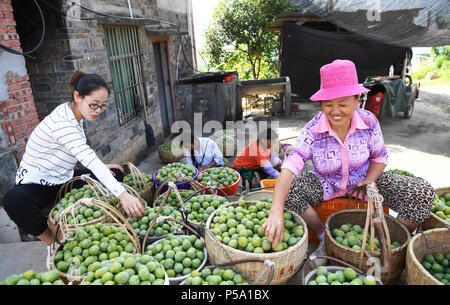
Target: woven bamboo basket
[[398, 232], [179, 279], [258, 195], [145, 238], [418, 247], [434, 221], [168, 156], [100, 193], [231, 265], [286, 263], [200, 226], [119, 220], [140, 184]]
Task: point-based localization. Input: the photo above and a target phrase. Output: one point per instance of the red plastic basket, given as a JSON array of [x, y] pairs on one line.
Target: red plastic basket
[[329, 207], [230, 190]]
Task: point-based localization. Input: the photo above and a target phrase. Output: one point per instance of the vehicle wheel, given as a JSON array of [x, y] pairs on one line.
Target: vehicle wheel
[[408, 80], [409, 111]]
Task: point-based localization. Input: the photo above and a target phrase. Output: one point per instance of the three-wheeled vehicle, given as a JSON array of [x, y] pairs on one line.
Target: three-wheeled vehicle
[[389, 95]]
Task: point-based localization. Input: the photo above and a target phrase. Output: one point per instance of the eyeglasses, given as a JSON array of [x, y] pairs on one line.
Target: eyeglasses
[[96, 106]]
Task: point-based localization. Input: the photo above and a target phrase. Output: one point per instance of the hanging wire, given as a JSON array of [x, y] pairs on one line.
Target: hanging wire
[[184, 55], [63, 13], [124, 17], [38, 45]]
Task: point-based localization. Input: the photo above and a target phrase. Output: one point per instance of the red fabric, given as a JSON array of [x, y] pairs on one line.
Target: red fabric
[[374, 104], [253, 157]]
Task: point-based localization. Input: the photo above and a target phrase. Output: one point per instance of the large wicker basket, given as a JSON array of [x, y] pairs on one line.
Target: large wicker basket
[[168, 156], [398, 232], [434, 221], [418, 247], [117, 220], [286, 262], [100, 193]]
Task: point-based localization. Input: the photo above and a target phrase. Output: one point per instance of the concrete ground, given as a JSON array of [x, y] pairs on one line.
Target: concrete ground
[[420, 145]]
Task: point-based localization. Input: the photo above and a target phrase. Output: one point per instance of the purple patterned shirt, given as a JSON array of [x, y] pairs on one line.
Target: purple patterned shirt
[[339, 166]]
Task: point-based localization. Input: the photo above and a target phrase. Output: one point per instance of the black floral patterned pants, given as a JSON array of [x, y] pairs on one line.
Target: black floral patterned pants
[[410, 197]]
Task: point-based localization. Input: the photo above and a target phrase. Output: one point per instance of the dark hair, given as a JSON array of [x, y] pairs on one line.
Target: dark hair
[[191, 142], [267, 134], [85, 84]]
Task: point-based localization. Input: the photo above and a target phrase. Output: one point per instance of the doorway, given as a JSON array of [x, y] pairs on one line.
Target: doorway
[[160, 52]]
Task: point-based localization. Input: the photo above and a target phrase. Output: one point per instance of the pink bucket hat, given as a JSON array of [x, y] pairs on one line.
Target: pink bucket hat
[[338, 79]]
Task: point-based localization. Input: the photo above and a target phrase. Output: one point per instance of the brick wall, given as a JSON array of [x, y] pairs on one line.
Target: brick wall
[[18, 115]]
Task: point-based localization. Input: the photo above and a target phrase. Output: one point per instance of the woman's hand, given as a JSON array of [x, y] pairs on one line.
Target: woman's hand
[[114, 166], [131, 205], [274, 227], [367, 182]]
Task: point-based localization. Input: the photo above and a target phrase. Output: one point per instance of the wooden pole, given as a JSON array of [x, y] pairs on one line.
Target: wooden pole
[[405, 62]]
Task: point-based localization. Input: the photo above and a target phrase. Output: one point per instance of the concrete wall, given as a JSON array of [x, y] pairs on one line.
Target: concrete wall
[[178, 6]]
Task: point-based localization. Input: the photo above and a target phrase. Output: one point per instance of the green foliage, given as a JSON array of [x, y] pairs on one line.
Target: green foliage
[[441, 64], [238, 37]]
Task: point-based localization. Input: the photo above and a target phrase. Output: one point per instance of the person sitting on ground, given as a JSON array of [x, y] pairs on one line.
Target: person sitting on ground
[[347, 150], [55, 146], [259, 157], [205, 151]]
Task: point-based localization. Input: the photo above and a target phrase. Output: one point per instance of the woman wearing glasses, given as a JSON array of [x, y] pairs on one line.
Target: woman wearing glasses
[[55, 146]]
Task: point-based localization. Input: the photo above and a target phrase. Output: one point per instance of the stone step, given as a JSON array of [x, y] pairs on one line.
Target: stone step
[[20, 257]]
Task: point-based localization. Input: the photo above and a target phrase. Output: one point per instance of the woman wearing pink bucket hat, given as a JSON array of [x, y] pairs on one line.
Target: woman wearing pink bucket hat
[[347, 150]]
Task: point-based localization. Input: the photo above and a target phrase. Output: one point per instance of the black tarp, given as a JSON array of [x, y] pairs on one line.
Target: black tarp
[[305, 50], [412, 23]]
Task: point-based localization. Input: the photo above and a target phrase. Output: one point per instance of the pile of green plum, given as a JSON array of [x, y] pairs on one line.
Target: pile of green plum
[[85, 213], [400, 172], [173, 168], [217, 276], [128, 269], [142, 224], [346, 277], [136, 183], [30, 277], [169, 146], [179, 255], [218, 176], [199, 208], [225, 132], [91, 244], [350, 235], [438, 266], [240, 228], [441, 206], [172, 200]]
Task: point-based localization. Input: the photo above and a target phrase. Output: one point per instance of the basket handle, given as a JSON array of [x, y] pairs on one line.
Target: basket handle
[[375, 219], [154, 221], [358, 190], [195, 185], [168, 218], [203, 190], [138, 178]]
